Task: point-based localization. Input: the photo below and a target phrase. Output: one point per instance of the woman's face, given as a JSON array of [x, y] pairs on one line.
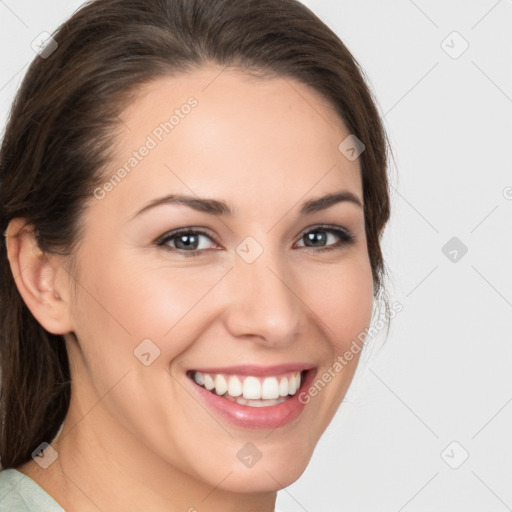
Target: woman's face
[[259, 298]]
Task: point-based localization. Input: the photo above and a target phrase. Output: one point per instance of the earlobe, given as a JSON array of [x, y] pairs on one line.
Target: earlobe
[[37, 277]]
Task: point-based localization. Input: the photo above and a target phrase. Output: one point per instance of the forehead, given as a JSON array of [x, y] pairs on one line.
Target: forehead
[[224, 133]]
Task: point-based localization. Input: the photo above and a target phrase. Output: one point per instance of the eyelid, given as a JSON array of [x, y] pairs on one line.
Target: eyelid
[[175, 232]]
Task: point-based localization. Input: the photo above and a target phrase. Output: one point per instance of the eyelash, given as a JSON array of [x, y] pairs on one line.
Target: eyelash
[[346, 238]]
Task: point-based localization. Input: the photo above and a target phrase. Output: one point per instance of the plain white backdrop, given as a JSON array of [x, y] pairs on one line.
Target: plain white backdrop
[[426, 422]]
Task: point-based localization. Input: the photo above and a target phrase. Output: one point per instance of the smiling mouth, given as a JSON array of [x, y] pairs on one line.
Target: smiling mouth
[[250, 390]]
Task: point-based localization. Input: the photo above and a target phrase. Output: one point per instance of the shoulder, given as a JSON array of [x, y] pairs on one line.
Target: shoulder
[[20, 493]]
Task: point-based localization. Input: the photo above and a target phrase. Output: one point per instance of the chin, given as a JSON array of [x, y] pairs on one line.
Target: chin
[[268, 468], [272, 476]]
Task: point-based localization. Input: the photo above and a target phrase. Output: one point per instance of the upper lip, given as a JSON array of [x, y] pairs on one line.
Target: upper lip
[[259, 371]]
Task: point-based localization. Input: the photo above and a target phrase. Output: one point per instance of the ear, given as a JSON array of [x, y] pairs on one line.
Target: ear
[[40, 278]]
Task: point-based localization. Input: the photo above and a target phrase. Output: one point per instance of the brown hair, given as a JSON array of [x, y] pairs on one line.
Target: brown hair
[[61, 130]]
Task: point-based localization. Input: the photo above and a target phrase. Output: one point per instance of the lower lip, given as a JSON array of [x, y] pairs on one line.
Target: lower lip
[[270, 417]]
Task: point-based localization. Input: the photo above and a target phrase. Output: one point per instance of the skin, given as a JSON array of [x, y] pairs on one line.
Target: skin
[[134, 437]]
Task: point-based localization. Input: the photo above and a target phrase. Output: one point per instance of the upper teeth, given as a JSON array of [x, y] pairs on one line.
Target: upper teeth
[[253, 388]]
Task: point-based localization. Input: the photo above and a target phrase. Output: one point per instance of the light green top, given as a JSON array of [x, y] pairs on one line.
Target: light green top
[[19, 493]]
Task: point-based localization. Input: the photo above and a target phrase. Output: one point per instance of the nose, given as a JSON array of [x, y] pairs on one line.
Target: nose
[[264, 301]]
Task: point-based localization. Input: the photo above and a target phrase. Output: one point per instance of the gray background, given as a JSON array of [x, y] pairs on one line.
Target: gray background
[[439, 389]]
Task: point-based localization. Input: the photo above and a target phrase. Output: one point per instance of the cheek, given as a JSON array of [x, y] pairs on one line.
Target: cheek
[[343, 299], [128, 301]]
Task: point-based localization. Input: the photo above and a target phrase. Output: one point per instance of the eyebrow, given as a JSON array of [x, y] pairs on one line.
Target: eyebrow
[[221, 208]]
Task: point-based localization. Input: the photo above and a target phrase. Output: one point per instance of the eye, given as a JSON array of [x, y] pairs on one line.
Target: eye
[[320, 235], [187, 241]]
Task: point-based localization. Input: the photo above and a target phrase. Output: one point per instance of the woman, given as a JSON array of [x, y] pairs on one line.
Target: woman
[[193, 194]]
